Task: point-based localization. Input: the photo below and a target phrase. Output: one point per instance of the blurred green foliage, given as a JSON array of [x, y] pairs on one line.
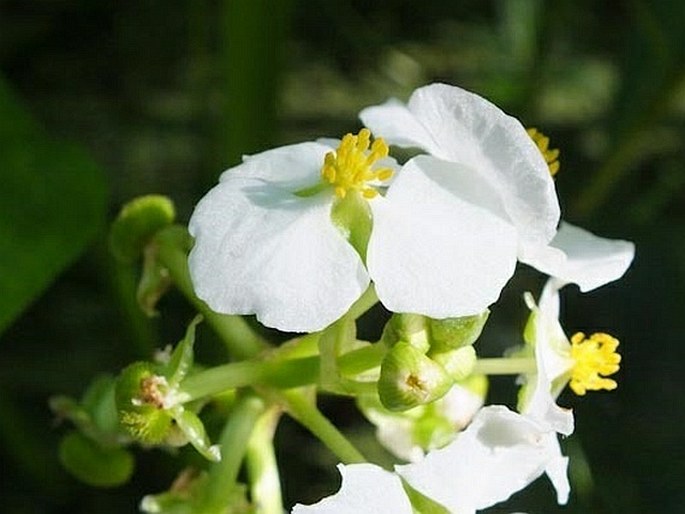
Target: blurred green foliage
[[160, 97]]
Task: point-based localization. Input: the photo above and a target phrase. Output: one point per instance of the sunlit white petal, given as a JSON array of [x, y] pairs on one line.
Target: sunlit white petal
[[259, 249], [459, 126], [580, 257], [365, 489], [438, 246], [500, 453]]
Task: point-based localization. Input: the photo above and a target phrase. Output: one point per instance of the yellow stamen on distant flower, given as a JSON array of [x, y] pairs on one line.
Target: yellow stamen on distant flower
[[542, 142], [349, 167], [593, 356]]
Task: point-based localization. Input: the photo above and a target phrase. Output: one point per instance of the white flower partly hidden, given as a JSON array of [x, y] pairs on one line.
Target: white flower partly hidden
[[480, 156], [500, 453], [582, 362]]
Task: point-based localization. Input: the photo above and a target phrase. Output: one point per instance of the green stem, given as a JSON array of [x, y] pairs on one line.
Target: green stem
[[505, 366], [279, 373], [363, 304], [242, 342], [262, 468], [305, 412], [234, 441]]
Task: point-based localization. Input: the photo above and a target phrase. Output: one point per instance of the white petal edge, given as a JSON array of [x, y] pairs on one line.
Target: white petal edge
[[580, 257], [365, 489], [500, 453], [434, 252], [261, 250], [459, 126]]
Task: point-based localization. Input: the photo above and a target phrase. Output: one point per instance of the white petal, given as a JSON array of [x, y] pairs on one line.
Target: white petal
[[437, 247], [500, 453], [293, 167], [365, 489], [262, 250], [586, 259], [459, 126]]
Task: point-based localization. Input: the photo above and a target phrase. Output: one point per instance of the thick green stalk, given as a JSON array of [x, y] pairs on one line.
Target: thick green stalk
[[234, 442], [505, 366], [242, 342], [305, 411], [262, 468]]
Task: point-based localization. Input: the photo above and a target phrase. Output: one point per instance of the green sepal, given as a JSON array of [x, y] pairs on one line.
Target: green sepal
[[154, 281], [181, 360], [352, 215], [408, 378], [93, 463], [422, 504], [194, 431], [452, 333], [138, 221], [410, 328]]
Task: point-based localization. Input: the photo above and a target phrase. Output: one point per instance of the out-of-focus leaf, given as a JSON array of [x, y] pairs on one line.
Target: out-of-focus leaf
[[652, 71], [52, 204]]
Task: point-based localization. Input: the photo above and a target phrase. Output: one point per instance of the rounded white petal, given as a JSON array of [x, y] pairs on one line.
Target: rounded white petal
[[261, 250], [459, 126], [365, 489], [437, 246], [293, 167], [500, 453], [580, 257]]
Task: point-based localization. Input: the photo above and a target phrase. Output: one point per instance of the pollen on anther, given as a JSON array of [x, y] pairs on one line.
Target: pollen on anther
[[595, 358], [551, 156]]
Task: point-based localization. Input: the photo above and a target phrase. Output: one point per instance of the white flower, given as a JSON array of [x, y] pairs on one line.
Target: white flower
[[365, 489], [265, 241], [500, 453], [582, 362], [483, 165], [466, 136]]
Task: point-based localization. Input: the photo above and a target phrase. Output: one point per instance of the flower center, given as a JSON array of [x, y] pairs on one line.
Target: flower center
[[542, 142], [350, 166], [593, 356]]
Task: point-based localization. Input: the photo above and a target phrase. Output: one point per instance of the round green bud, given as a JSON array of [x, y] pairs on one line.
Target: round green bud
[[458, 363], [409, 328], [139, 397], [95, 464], [139, 220], [409, 378], [452, 333]]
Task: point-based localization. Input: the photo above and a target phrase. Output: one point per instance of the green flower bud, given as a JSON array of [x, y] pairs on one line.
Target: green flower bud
[[136, 224], [410, 328], [93, 463], [452, 333], [409, 378], [458, 363], [140, 394]]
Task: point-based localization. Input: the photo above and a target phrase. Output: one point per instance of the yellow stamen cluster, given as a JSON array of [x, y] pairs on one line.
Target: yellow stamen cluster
[[593, 356], [349, 167], [542, 142]]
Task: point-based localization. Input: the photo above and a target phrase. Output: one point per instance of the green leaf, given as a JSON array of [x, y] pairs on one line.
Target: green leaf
[[94, 464], [52, 205]]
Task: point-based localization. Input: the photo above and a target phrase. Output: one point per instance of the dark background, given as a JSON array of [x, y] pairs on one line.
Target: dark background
[[101, 101]]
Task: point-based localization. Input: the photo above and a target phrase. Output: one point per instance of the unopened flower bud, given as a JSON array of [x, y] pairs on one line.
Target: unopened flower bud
[[409, 328], [409, 378], [452, 333], [458, 363]]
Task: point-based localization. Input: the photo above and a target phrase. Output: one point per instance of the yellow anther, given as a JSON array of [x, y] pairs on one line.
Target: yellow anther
[[542, 142], [594, 358], [350, 166]]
